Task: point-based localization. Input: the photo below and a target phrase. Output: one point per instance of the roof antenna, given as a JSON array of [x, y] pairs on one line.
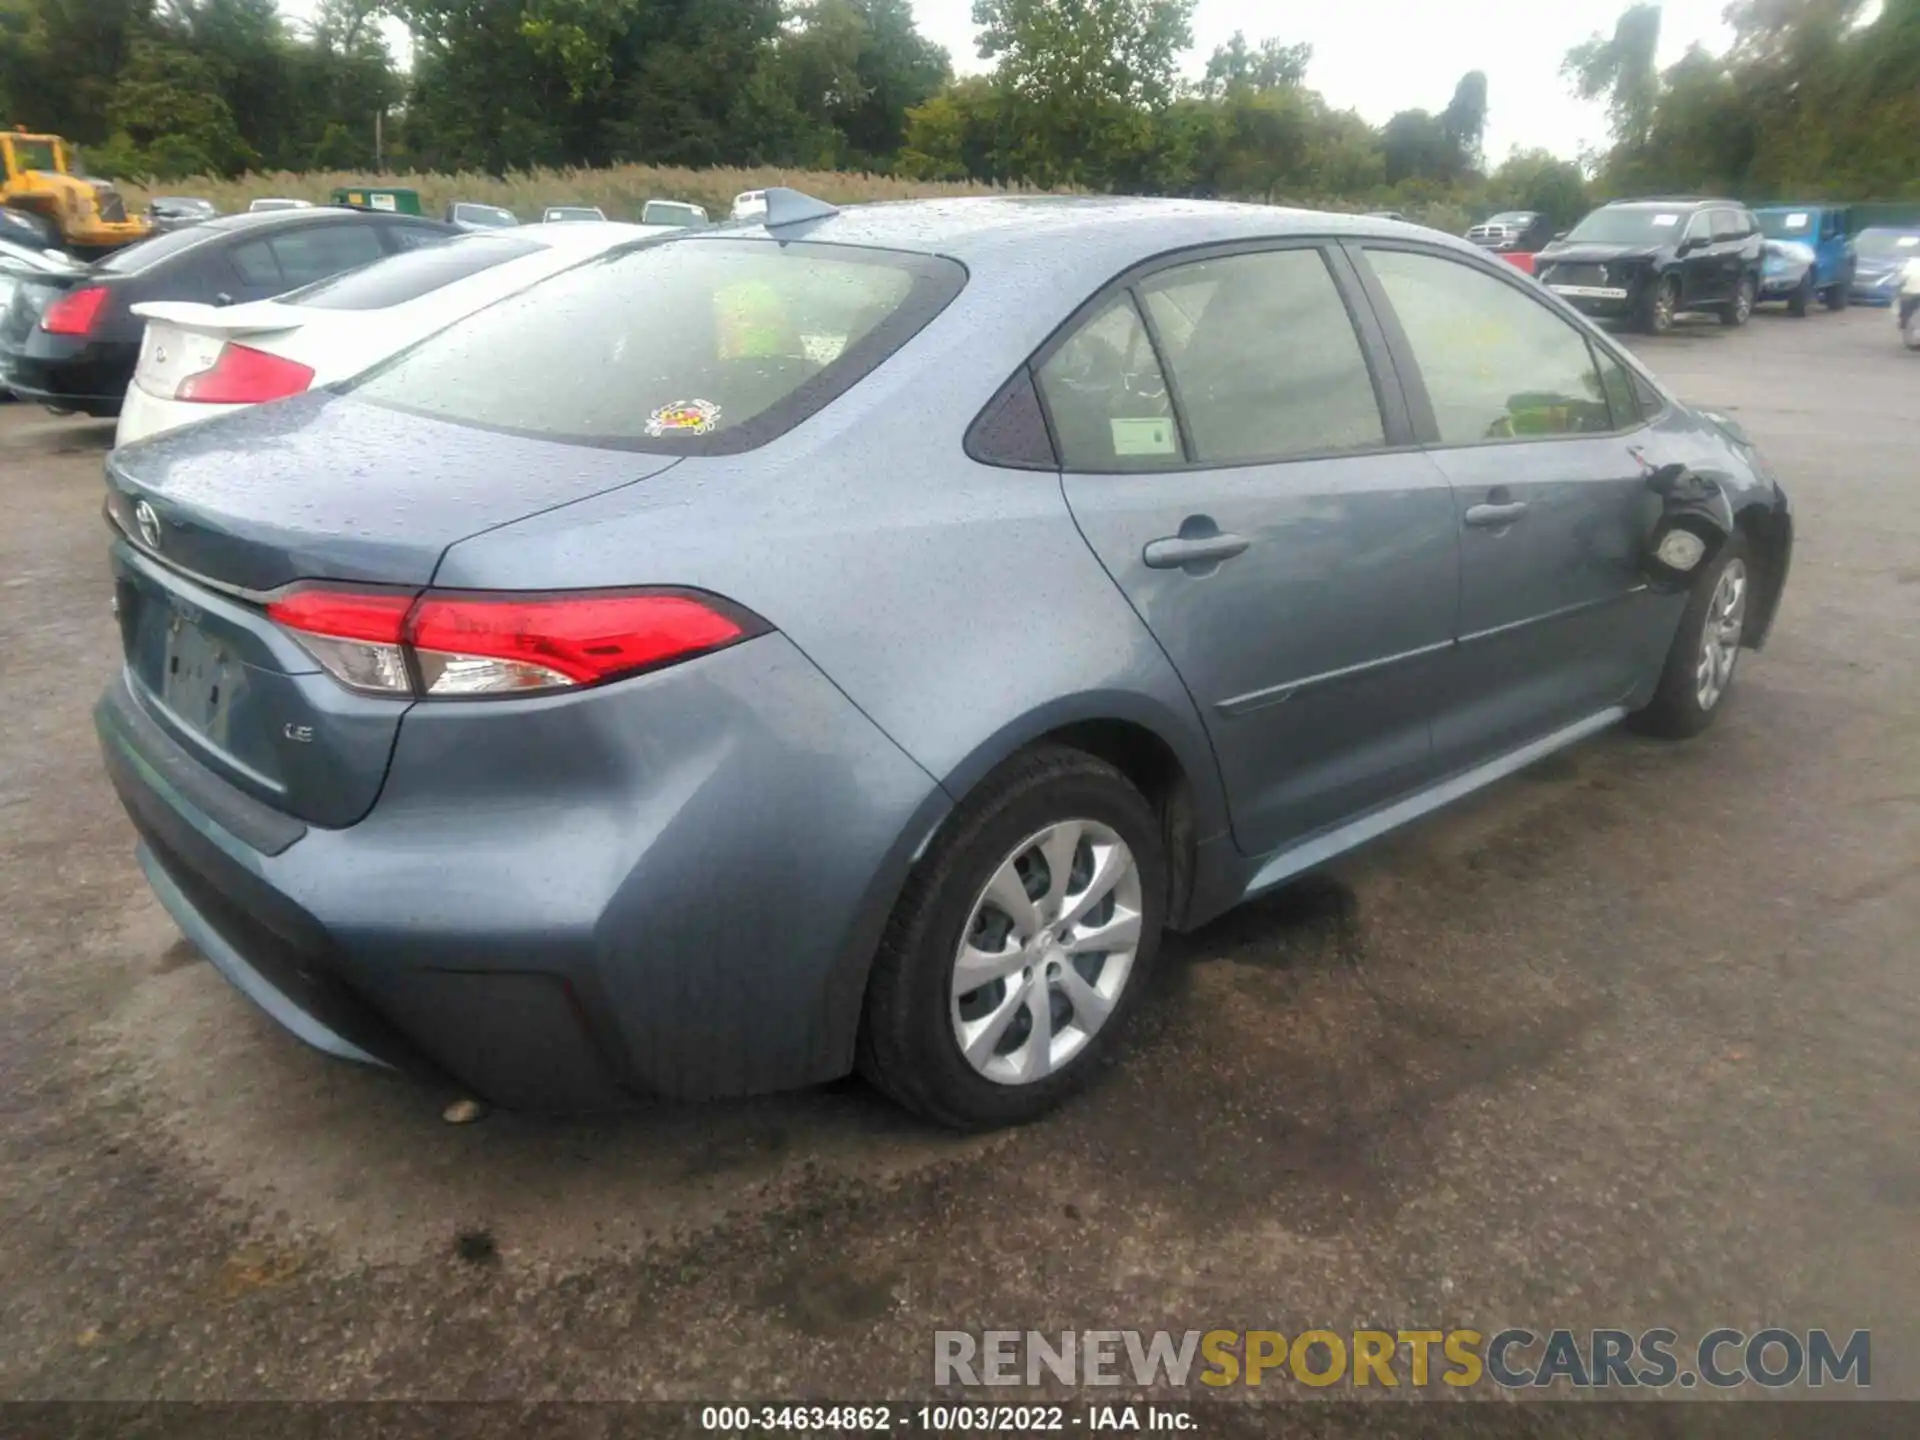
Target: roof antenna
[[791, 207]]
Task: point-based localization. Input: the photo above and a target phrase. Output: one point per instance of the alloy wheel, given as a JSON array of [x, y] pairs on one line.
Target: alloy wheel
[[1047, 951], [1663, 306], [1743, 303], [1720, 634]]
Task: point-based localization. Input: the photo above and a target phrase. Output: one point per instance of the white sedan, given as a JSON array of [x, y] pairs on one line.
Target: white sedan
[[198, 361]]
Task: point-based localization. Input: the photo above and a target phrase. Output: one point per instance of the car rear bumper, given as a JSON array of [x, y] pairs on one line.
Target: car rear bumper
[[68, 375], [672, 885], [143, 415]]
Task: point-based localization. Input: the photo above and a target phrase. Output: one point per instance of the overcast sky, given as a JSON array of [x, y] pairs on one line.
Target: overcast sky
[[1379, 56]]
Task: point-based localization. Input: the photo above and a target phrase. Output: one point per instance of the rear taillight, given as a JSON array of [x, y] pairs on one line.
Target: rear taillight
[[241, 375], [74, 312], [493, 643]]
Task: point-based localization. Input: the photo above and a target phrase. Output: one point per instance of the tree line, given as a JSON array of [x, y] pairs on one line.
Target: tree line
[[1083, 93]]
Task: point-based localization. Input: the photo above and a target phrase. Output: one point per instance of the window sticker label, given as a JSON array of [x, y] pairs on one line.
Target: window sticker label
[[1144, 437], [1907, 242], [1663, 221], [1797, 220], [683, 417]]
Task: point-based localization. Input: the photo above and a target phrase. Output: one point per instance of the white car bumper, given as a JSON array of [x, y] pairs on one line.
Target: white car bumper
[[143, 414]]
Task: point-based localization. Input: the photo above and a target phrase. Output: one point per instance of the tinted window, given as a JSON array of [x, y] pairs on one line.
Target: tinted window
[[411, 274], [1881, 243], [1107, 397], [1497, 363], [1727, 225], [688, 347], [1700, 227], [256, 263], [1264, 357], [484, 215], [143, 253], [313, 253]]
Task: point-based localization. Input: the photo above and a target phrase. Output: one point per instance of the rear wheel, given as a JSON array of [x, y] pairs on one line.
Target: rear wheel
[[1657, 309], [1019, 946], [1840, 294], [1740, 309], [1699, 670]]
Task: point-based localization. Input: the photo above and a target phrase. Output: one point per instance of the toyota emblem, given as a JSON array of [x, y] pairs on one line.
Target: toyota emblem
[[148, 524]]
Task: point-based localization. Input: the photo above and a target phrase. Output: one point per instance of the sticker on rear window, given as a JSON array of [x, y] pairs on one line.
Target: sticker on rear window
[[1797, 220], [1144, 437], [1907, 242], [683, 417], [1665, 220]]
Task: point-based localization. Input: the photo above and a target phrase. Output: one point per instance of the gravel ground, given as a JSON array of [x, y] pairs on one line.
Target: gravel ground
[[1627, 1041]]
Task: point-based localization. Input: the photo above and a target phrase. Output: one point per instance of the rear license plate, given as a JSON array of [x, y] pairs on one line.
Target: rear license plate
[[199, 677]]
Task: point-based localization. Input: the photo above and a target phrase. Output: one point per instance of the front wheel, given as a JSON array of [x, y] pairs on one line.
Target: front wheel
[[1658, 308], [1802, 296], [1840, 294], [1019, 945], [1699, 670], [1740, 309]]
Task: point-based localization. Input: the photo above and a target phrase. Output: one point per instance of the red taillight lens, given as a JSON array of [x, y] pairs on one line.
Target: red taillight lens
[[74, 312], [481, 643], [241, 375]]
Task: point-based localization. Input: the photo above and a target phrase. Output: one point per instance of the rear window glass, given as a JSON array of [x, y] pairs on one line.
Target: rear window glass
[[410, 274], [142, 253], [688, 347]]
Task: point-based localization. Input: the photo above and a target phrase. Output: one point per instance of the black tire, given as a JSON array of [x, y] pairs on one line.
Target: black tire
[[1739, 310], [1802, 296], [908, 1048], [1676, 711], [1840, 294], [1658, 306]]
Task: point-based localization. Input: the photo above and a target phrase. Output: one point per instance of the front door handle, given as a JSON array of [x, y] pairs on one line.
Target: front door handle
[[1178, 551], [1492, 517]]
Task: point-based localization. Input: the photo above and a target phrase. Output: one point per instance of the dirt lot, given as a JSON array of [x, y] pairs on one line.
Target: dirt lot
[[1629, 1041]]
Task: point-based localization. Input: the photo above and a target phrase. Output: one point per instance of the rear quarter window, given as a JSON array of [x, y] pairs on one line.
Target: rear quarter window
[[410, 274], [696, 347]]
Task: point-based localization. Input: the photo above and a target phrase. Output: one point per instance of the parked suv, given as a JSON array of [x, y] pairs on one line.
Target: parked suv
[[1648, 261], [1821, 237]]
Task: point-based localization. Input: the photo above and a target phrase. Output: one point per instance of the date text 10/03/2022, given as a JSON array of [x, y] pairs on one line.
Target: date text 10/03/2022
[[945, 1419]]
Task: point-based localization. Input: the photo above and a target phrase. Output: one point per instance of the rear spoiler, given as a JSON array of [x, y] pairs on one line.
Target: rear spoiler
[[260, 318]]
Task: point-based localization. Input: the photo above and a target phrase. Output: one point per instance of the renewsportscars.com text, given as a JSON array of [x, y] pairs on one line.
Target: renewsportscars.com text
[[1513, 1359]]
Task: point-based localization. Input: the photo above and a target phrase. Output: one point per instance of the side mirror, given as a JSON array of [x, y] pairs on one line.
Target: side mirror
[[1694, 522]]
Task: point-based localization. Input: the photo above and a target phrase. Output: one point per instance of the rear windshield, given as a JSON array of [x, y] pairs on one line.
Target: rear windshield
[[1636, 225], [410, 274], [1903, 243], [142, 253], [485, 215], [693, 347]]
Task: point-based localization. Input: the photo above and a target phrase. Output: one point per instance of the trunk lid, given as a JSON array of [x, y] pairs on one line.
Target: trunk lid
[[316, 487], [183, 338]]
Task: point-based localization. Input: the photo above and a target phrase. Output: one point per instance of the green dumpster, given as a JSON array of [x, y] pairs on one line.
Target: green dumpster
[[393, 198]]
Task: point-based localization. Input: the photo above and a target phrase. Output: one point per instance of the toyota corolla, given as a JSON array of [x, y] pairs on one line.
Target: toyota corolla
[[851, 640]]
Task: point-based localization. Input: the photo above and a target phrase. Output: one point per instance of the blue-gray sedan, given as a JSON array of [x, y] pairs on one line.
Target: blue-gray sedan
[[851, 640]]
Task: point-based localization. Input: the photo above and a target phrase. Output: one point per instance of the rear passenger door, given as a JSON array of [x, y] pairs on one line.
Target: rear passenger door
[[1537, 427], [1730, 250], [1236, 454]]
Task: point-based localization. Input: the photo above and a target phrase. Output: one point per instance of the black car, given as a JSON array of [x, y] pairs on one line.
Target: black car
[[1647, 261], [166, 213], [71, 342], [1520, 232]]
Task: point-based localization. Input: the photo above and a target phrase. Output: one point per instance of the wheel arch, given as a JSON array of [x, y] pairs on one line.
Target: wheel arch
[[1768, 530], [1164, 755]]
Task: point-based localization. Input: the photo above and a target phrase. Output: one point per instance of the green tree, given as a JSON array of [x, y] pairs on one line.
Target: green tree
[[1622, 68], [167, 106]]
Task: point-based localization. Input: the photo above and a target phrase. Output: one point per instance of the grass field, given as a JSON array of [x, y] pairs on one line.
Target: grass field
[[619, 190]]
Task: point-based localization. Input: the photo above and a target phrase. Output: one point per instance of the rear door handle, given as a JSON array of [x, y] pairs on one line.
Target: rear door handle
[[1492, 517], [1176, 552]]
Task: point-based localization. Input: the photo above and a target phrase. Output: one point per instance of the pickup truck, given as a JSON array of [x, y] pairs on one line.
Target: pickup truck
[[1824, 233]]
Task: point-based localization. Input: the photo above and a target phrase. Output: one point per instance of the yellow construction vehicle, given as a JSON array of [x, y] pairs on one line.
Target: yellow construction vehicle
[[84, 216]]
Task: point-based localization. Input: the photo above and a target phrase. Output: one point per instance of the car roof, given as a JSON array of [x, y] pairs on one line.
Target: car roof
[[1066, 232], [579, 234], [1668, 202], [277, 219]]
